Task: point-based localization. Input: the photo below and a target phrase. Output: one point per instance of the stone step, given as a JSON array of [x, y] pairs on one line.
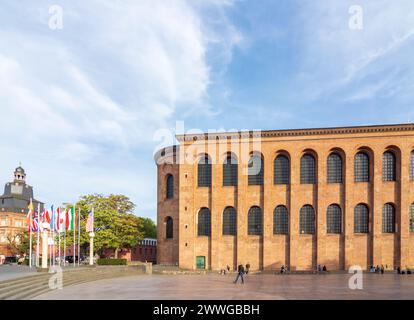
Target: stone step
[[33, 287]]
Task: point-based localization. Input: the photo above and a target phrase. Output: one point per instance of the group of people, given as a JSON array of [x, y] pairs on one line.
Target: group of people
[[321, 269], [377, 269], [283, 269]]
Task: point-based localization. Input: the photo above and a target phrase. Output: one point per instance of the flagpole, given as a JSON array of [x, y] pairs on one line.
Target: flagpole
[[79, 229], [30, 232], [74, 235], [38, 237], [53, 236], [58, 231]]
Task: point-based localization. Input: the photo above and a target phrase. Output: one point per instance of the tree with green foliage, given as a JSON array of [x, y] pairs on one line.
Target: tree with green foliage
[[149, 229], [19, 243], [115, 224]]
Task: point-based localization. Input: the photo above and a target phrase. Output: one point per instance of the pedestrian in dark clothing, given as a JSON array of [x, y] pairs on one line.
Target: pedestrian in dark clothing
[[228, 268], [382, 269], [324, 269], [240, 273], [398, 270], [247, 268]]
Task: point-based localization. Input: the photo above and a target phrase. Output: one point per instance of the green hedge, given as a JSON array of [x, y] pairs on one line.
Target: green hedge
[[112, 262]]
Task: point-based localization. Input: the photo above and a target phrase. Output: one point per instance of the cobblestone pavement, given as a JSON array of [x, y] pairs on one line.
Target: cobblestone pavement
[[267, 287]]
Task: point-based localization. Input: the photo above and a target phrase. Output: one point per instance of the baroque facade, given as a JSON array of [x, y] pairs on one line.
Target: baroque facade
[[14, 206], [335, 196]]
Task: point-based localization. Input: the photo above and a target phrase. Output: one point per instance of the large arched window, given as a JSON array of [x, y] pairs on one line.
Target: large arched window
[[170, 186], [255, 169], [412, 218], [229, 222], [230, 171], [334, 168], [281, 170], [204, 222], [388, 218], [169, 224], [334, 219], [361, 170], [412, 166], [307, 220], [281, 220], [204, 171], [361, 219], [255, 225], [388, 166], [308, 169]]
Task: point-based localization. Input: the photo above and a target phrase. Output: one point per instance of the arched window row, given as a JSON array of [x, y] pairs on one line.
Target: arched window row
[[308, 169], [307, 220]]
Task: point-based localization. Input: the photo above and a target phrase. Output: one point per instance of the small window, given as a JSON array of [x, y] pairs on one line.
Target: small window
[[169, 228], [281, 170], [307, 169], [334, 219], [204, 172], [255, 225], [412, 166], [230, 171], [361, 170], [204, 222], [388, 166], [307, 220], [229, 221], [412, 218], [334, 168], [170, 186], [361, 219], [255, 170], [281, 220], [388, 218]]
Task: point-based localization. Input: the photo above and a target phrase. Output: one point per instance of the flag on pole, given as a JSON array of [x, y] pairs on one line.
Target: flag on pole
[[89, 222], [29, 219], [60, 220], [70, 219]]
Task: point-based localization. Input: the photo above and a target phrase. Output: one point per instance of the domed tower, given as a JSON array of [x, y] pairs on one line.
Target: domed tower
[[167, 205], [19, 175]]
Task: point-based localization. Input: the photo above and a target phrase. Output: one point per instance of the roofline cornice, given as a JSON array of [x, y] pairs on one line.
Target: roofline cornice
[[297, 132]]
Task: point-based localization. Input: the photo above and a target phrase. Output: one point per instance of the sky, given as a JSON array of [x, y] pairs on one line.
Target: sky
[[89, 90]]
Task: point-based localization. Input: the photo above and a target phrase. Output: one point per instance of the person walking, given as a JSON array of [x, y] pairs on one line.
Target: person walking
[[240, 273]]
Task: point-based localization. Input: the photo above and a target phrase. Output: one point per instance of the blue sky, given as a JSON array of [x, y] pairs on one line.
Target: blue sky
[[82, 106]]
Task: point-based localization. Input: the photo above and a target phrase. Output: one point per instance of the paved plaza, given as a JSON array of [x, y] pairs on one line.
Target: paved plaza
[[261, 286], [8, 272]]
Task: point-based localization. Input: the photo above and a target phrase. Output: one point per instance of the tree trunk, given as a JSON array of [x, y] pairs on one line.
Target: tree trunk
[[116, 253]]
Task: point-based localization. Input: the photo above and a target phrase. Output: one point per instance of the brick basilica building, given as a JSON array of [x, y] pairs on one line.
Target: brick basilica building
[[335, 196]]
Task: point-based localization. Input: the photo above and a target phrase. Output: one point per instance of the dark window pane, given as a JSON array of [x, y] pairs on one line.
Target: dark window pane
[[229, 221], [361, 219], [256, 170], [388, 218], [412, 218], [169, 228], [230, 172], [334, 219], [412, 166], [307, 169], [334, 168], [255, 221], [170, 187], [281, 220], [361, 167], [281, 170], [204, 222], [388, 167], [204, 172], [307, 220]]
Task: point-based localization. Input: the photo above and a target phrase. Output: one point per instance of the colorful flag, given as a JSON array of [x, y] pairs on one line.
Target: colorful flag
[[30, 216], [46, 216], [52, 218], [70, 219], [60, 221], [89, 222]]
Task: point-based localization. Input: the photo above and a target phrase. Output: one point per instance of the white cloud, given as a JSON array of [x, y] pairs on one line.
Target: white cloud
[[92, 93]]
